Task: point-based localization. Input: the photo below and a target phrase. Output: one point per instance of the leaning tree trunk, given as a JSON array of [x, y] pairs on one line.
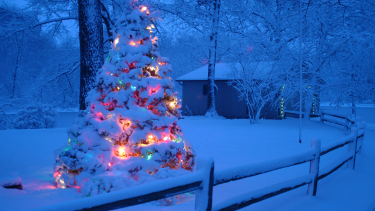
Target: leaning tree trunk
[[310, 95], [211, 108], [91, 45]]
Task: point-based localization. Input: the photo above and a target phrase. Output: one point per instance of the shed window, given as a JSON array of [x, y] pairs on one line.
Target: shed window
[[205, 89]]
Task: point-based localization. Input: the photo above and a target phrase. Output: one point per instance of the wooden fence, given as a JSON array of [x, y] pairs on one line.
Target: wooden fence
[[332, 117], [204, 178], [295, 114]]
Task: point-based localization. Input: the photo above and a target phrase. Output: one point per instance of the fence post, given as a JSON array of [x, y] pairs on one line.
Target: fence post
[[203, 196], [362, 127], [347, 122], [353, 147], [314, 168]]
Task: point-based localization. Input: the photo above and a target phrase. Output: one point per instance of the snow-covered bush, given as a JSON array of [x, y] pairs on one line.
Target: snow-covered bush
[[188, 111], [35, 117]]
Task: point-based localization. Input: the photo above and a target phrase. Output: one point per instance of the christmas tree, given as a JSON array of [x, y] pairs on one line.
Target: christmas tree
[[129, 134]]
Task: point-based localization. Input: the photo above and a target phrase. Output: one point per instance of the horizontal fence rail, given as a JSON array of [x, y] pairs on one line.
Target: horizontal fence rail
[[349, 120], [237, 173], [295, 114], [203, 180], [198, 181], [247, 199]]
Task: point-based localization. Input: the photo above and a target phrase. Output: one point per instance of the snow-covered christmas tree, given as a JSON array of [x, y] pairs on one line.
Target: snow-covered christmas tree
[[129, 134]]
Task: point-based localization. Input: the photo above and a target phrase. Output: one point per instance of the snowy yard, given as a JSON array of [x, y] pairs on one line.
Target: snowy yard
[[29, 154]]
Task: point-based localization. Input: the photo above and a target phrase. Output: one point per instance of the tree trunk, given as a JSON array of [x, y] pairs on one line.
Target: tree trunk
[[310, 95], [308, 108], [211, 108], [91, 45], [354, 109], [16, 69]]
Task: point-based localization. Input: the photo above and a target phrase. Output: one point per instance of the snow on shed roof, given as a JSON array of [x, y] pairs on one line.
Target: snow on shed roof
[[222, 71]]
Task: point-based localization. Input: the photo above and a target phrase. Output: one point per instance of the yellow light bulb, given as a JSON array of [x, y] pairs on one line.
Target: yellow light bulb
[[121, 151], [143, 9], [132, 43], [116, 41], [171, 104]]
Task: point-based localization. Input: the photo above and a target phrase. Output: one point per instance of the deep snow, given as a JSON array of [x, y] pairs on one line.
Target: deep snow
[[29, 154]]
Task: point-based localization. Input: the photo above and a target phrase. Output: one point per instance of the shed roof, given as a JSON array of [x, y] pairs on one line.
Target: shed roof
[[222, 71]]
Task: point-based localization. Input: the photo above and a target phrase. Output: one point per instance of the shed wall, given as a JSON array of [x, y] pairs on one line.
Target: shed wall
[[227, 103], [192, 96]]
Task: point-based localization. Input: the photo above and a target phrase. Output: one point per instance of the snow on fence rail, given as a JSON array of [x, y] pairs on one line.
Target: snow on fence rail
[[203, 180], [338, 119]]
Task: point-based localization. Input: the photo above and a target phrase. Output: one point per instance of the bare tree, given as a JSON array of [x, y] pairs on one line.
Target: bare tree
[[256, 83]]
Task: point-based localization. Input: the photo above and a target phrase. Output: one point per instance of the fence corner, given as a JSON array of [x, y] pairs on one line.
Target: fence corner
[[203, 197], [353, 148]]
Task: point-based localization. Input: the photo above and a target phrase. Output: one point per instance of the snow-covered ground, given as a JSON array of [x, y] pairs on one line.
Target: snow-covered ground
[[29, 154]]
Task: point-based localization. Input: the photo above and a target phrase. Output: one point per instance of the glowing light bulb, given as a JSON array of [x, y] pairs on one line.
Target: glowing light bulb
[[121, 151], [111, 74], [148, 28], [149, 156], [171, 104], [116, 41], [143, 9], [109, 164], [165, 138], [150, 137], [118, 88], [132, 43], [128, 123], [152, 26]]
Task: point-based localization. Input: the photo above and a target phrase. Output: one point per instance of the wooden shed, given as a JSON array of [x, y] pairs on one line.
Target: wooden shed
[[195, 90]]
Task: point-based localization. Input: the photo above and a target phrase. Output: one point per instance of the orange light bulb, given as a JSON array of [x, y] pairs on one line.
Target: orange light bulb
[[143, 9], [132, 43]]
